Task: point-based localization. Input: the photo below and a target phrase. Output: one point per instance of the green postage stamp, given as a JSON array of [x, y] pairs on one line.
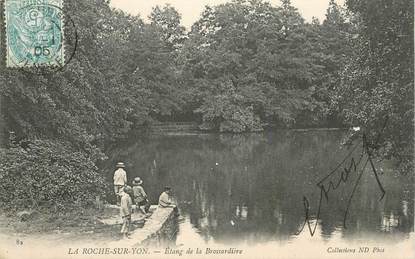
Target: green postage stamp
[[34, 33]]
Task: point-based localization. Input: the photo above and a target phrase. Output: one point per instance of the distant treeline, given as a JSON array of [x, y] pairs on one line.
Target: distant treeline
[[241, 66]]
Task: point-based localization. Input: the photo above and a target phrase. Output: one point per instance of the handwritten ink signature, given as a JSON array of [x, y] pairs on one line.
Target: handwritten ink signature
[[330, 183]]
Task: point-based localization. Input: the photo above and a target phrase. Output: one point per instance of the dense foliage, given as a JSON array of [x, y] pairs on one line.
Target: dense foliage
[[376, 89], [47, 173], [248, 63], [242, 66]]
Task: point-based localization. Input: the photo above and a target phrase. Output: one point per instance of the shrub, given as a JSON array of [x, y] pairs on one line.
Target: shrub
[[44, 173]]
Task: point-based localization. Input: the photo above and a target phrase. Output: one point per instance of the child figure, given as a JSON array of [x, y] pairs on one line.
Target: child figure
[[126, 210], [140, 196]]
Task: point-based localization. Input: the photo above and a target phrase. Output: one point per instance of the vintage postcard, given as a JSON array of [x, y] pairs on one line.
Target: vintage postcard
[[275, 129]]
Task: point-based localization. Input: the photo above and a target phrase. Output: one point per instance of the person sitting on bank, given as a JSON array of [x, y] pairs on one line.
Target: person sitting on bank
[[126, 210], [140, 196], [120, 180], [165, 199]]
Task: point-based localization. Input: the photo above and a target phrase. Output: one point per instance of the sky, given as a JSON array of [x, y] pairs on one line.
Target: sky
[[191, 9]]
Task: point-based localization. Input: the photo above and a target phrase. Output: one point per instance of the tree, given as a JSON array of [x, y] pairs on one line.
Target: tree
[[72, 113], [331, 48], [334, 15], [376, 89], [255, 51], [167, 21]]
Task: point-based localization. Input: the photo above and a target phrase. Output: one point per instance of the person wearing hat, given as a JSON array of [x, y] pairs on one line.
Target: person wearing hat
[[120, 180], [140, 196], [126, 207]]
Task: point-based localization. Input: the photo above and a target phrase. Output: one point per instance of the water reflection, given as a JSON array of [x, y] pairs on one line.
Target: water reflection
[[250, 187]]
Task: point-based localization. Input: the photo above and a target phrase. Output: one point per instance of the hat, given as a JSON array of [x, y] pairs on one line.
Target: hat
[[127, 189], [120, 164], [137, 180]]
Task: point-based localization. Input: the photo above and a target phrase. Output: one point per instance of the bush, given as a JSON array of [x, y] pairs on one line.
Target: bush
[[45, 173]]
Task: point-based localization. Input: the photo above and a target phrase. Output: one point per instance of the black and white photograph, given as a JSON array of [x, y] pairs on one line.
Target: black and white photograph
[[274, 129]]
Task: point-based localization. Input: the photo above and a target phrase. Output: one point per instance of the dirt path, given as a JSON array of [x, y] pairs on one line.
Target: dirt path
[[44, 238], [81, 226], [52, 236]]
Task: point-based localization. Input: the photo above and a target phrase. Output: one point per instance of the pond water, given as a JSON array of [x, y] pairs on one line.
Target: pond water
[[250, 188]]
